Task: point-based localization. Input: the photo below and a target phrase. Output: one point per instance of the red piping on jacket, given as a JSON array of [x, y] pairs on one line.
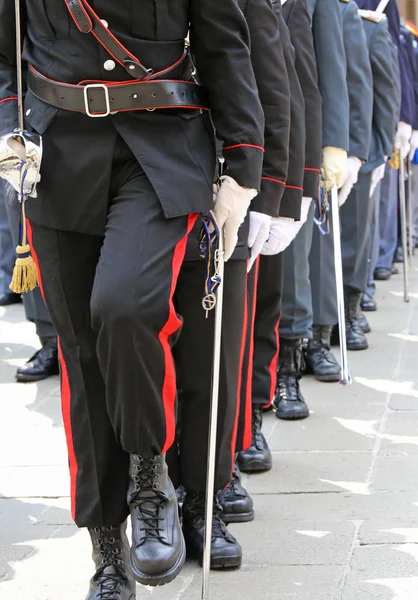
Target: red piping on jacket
[[245, 145], [274, 180]]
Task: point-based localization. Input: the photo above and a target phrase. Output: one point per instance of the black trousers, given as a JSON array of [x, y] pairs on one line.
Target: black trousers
[[111, 301], [193, 358], [259, 372]]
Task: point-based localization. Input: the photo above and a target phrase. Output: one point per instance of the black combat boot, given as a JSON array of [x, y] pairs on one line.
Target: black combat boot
[[158, 551], [318, 357], [113, 579], [43, 363], [289, 404], [226, 553], [236, 502], [368, 303], [356, 340], [258, 456], [363, 322]]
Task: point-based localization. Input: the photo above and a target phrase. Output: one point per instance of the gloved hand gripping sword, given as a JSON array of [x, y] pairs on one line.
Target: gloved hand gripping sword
[[20, 162]]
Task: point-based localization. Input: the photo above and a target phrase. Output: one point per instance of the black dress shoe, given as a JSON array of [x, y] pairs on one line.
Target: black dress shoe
[[236, 503], [398, 258], [356, 340], [318, 357], [225, 553], [113, 579], [258, 456], [10, 298], [368, 303], [43, 363], [158, 551], [394, 270], [382, 273], [289, 404], [363, 322]]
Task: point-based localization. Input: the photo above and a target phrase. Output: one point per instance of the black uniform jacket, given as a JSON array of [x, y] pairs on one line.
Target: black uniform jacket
[[292, 197], [385, 88], [175, 148], [359, 80], [295, 13]]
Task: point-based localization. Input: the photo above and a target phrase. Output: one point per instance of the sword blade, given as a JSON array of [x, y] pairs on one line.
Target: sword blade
[[19, 65], [213, 425], [402, 202], [345, 377]]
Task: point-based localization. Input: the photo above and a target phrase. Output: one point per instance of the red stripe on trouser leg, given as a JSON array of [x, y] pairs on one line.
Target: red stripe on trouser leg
[[241, 364], [273, 365], [65, 393], [171, 326], [247, 437]]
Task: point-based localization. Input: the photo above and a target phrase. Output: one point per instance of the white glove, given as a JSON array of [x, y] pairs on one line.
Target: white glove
[[231, 206], [258, 234], [350, 178], [403, 135], [414, 144], [377, 175], [334, 163], [284, 230]]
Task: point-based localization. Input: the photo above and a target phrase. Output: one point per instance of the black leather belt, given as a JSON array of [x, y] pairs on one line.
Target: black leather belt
[[104, 98]]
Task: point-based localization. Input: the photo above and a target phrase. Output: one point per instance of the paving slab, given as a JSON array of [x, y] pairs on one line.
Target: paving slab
[[389, 531]]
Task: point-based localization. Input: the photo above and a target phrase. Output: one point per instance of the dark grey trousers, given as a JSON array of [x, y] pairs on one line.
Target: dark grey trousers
[[7, 248]]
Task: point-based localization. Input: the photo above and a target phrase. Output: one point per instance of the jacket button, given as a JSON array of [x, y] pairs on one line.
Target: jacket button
[[109, 65], [104, 23]]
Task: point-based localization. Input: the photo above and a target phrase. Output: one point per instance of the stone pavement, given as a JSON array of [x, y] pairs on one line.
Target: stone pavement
[[336, 518]]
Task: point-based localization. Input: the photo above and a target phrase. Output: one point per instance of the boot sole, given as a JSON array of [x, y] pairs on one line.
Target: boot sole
[[220, 562], [254, 466], [358, 347], [161, 578], [332, 378], [237, 517], [292, 416], [30, 378]]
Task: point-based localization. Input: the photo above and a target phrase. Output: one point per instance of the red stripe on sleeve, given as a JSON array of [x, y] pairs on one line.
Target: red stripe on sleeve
[[274, 180], [244, 145]]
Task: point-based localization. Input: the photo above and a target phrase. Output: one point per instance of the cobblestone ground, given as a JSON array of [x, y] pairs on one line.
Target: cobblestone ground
[[336, 518]]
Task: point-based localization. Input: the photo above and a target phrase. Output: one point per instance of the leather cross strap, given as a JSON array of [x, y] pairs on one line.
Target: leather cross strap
[[100, 99], [87, 21]]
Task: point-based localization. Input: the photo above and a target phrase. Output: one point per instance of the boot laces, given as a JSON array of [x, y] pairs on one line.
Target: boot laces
[[109, 583], [233, 487], [219, 529], [148, 499]]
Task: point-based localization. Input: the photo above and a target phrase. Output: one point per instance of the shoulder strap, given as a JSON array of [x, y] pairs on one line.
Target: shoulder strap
[[87, 21]]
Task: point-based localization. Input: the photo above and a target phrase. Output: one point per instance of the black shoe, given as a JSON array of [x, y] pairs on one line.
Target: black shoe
[[382, 274], [43, 363], [318, 357], [258, 456], [289, 404], [10, 298], [398, 258], [158, 551], [236, 503], [113, 579], [226, 553], [368, 303], [363, 322], [356, 340], [394, 270]]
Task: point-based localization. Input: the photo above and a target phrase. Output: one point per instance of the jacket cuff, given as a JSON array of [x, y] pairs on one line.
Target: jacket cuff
[[291, 203], [244, 163], [270, 196], [8, 115], [311, 182]]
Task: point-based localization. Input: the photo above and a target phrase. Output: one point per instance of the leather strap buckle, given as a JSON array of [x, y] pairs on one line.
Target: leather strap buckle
[[91, 86]]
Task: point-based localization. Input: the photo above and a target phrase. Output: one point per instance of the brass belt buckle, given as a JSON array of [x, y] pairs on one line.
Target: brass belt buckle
[[86, 89]]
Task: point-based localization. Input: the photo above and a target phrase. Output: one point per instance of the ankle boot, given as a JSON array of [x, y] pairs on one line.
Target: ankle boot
[[363, 322], [158, 551], [225, 550], [356, 340], [42, 364], [235, 501], [258, 456], [113, 579], [289, 404], [318, 357]]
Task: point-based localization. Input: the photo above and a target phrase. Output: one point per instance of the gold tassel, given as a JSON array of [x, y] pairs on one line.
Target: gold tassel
[[25, 272], [395, 159]]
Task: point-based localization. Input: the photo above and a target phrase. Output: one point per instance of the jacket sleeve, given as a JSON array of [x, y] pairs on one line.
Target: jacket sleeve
[[219, 40], [8, 83], [292, 197], [331, 64], [385, 109], [273, 88], [297, 18], [359, 82]]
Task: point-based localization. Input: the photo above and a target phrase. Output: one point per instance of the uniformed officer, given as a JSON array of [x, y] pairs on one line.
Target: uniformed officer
[[193, 351], [118, 197], [318, 356], [295, 324]]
